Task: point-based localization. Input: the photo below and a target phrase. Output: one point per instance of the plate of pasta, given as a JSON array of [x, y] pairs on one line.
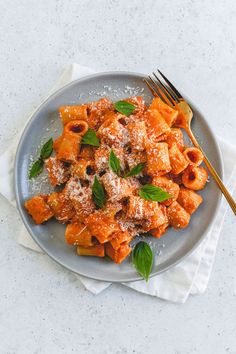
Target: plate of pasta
[[107, 183]]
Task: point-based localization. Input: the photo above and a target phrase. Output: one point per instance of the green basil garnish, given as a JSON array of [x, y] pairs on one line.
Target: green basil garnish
[[90, 138], [151, 192], [47, 149], [142, 258], [124, 107], [98, 193], [45, 152], [114, 163], [135, 170], [36, 168]]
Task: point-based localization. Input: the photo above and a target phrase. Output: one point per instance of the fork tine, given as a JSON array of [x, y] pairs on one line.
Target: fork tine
[[152, 88], [170, 85], [153, 91], [170, 97], [162, 94], [157, 89]]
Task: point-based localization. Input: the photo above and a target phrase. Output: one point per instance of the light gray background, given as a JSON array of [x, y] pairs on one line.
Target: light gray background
[[42, 308]]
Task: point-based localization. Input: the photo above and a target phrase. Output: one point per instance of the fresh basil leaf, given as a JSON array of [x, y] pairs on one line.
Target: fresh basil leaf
[[114, 163], [135, 170], [124, 107], [46, 150], [36, 168], [151, 192], [142, 257], [90, 138], [98, 193]]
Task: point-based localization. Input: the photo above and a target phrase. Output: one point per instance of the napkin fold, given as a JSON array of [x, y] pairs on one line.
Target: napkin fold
[[191, 276]]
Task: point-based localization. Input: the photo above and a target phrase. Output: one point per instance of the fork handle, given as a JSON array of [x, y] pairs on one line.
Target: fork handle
[[213, 172]]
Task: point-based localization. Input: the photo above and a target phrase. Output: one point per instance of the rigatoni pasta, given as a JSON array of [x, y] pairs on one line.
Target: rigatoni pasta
[[178, 161], [95, 251], [39, 209], [189, 200], [155, 123], [158, 159], [175, 136], [69, 113], [78, 234], [195, 177], [168, 113], [193, 155], [178, 217], [137, 135], [123, 170]]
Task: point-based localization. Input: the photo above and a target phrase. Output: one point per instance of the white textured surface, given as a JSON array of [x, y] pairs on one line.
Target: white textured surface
[[42, 308]]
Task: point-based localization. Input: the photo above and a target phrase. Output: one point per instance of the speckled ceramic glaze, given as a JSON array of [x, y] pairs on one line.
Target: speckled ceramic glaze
[[172, 247]]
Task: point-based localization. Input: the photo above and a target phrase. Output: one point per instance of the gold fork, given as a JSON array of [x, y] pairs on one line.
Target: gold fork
[[171, 96]]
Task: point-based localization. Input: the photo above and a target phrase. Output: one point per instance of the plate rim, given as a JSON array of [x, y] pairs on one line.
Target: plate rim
[[16, 189]]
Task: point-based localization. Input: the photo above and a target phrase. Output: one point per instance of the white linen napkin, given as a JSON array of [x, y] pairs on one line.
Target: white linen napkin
[[191, 276]]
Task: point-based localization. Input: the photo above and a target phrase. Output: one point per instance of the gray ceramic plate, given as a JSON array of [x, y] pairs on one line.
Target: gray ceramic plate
[[170, 249]]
